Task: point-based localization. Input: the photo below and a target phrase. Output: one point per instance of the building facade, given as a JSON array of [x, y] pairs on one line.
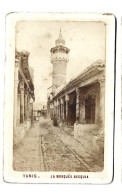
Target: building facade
[[39, 112], [36, 115], [81, 102], [23, 96]]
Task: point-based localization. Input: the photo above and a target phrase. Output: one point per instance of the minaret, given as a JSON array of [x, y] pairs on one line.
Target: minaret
[[59, 59]]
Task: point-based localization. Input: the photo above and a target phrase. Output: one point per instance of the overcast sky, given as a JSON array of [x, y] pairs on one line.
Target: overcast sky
[[86, 41]]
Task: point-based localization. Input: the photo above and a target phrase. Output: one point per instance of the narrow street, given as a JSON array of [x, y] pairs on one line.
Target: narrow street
[[49, 148]]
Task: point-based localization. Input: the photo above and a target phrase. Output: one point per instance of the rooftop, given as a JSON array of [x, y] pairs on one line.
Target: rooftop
[[95, 67]]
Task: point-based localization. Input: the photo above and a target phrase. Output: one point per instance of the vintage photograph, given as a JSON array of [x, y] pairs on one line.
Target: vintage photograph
[[60, 92]]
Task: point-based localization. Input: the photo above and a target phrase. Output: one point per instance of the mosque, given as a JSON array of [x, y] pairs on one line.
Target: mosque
[[80, 103]]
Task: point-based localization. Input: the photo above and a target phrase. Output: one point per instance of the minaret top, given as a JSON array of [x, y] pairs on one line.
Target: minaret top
[[60, 41]]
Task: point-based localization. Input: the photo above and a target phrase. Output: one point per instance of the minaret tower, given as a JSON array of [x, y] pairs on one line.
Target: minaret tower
[[59, 59]]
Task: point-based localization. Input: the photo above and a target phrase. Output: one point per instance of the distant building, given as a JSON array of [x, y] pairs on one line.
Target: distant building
[[81, 102], [36, 114], [44, 111], [40, 111], [23, 96]]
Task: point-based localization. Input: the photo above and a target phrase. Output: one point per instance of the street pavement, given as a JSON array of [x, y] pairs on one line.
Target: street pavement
[[49, 148], [26, 157]]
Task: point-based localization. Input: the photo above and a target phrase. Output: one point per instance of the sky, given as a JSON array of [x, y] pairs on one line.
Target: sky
[[86, 41]]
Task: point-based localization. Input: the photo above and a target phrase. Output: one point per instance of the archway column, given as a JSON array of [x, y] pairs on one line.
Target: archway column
[[102, 101], [25, 105], [22, 101], [77, 105], [67, 107], [16, 82]]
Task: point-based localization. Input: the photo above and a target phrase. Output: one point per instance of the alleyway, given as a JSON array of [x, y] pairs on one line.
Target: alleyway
[[49, 148]]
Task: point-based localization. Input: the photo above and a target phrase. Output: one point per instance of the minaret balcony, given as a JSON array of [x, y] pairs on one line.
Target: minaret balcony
[[59, 57]]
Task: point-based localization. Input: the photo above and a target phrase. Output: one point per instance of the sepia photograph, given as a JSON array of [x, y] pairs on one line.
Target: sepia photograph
[[61, 98]]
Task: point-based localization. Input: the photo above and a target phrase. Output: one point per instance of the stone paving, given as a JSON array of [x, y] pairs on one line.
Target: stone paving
[[26, 156], [92, 161], [57, 157], [49, 148]]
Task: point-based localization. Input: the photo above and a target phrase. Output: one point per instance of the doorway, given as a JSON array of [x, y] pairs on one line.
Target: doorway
[[90, 110], [72, 109]]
